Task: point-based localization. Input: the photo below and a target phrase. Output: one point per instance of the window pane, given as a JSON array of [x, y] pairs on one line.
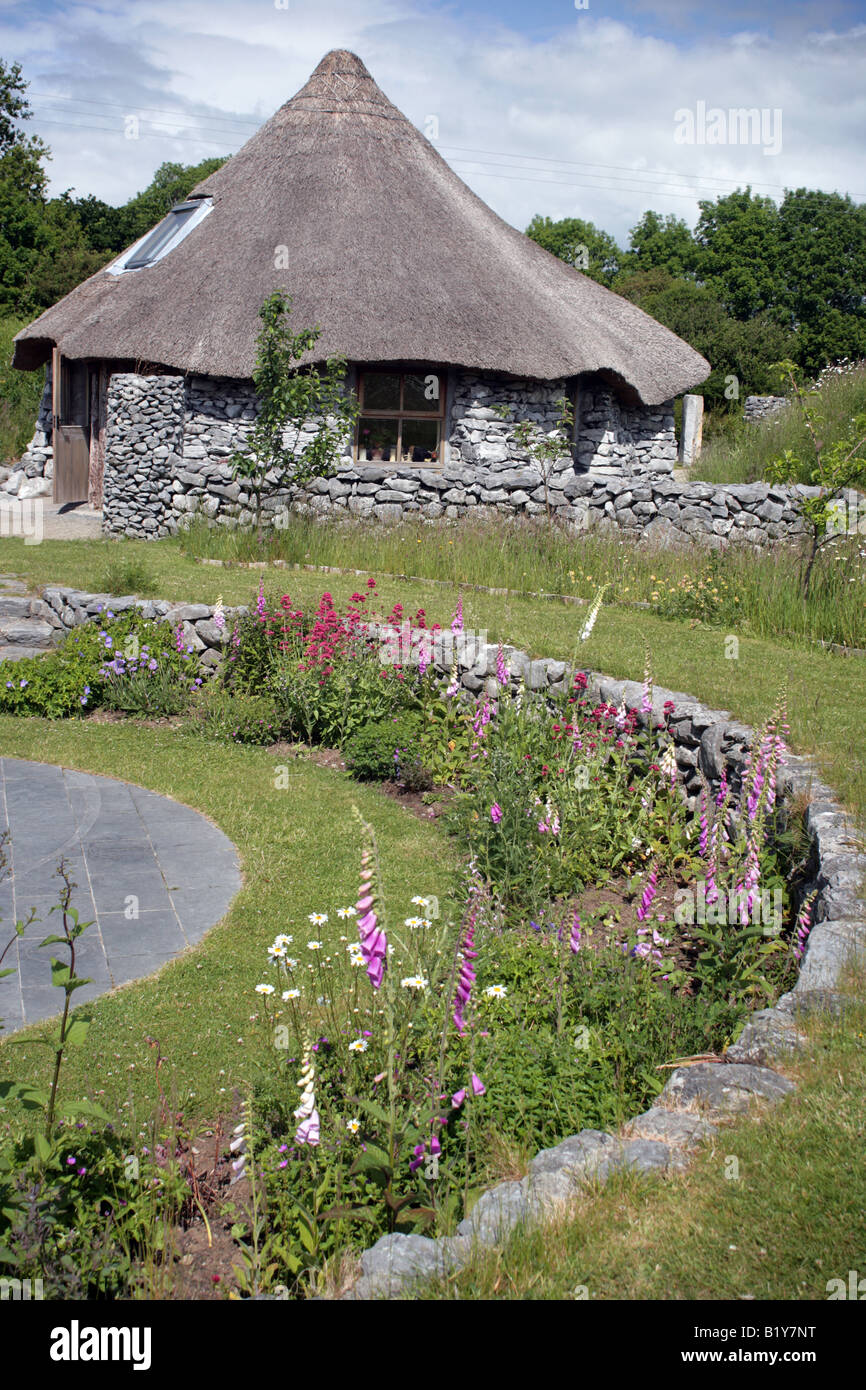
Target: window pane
[[381, 391], [162, 235], [421, 392], [377, 440], [420, 441]]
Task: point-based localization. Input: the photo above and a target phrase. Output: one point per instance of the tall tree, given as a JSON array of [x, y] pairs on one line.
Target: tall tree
[[739, 243], [661, 243], [43, 253], [823, 262], [580, 244]]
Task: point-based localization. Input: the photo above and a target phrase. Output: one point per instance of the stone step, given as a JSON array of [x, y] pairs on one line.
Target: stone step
[[14, 607], [17, 653], [26, 632]]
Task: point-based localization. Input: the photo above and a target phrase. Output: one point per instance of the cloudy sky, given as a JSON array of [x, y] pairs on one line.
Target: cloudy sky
[[540, 106]]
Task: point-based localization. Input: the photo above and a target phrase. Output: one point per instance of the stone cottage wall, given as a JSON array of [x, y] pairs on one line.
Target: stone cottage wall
[[170, 441], [144, 443]]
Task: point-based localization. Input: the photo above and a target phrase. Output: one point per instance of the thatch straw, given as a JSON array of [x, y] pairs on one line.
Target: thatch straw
[[389, 253]]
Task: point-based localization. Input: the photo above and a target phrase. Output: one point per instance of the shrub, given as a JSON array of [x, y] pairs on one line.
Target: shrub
[[238, 718], [381, 748]]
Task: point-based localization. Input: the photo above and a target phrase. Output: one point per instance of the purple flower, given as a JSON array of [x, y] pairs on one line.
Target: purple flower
[[457, 620], [468, 954], [478, 1087], [308, 1130], [501, 668], [574, 940], [649, 893], [374, 943], [496, 813], [457, 1099]]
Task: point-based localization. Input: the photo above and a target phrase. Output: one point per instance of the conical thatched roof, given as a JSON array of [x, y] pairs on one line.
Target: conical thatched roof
[[389, 253]]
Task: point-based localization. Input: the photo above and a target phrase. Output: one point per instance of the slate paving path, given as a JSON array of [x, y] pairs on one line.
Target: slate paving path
[[151, 875]]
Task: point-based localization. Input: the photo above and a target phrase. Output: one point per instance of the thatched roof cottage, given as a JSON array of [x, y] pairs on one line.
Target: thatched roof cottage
[[340, 201]]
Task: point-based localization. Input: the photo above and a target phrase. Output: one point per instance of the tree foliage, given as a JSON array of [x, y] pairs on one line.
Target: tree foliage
[[753, 283], [580, 244]]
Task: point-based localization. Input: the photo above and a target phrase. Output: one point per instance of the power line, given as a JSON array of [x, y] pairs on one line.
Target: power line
[[635, 173], [608, 170], [160, 131], [183, 117]]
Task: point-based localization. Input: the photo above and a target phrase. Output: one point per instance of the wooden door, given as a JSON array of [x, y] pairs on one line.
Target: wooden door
[[71, 463], [70, 435]]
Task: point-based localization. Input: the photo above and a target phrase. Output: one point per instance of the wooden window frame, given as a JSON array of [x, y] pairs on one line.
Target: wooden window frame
[[401, 414]]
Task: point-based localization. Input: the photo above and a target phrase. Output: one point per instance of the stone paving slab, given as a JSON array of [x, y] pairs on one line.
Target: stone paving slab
[[130, 850]]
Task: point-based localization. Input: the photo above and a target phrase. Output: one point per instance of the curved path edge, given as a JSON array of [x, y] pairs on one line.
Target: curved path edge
[[152, 876]]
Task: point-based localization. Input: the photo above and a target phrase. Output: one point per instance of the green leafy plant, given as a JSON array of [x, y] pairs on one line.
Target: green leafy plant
[[384, 748], [833, 468], [284, 446], [217, 713]]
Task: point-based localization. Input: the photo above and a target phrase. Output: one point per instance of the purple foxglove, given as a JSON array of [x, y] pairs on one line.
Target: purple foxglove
[[649, 893], [574, 939], [374, 943], [502, 675]]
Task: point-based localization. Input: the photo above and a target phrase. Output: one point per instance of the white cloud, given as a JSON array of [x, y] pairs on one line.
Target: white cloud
[[600, 97]]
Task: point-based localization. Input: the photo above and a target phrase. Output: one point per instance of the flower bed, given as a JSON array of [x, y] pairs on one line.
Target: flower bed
[[634, 887]]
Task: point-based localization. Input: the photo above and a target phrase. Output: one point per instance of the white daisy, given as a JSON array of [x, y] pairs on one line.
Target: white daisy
[[413, 921], [276, 952], [353, 1126], [283, 940], [264, 989], [415, 982], [496, 991], [359, 1045], [345, 912], [314, 945], [318, 919], [291, 994], [420, 902]]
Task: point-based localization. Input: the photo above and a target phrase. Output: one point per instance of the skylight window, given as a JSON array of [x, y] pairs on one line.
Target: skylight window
[[164, 237]]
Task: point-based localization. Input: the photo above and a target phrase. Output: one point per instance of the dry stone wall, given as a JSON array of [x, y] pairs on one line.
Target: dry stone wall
[[760, 407]]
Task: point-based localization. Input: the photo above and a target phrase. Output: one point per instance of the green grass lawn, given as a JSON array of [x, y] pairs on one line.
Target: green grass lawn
[[826, 691], [300, 853], [793, 1218]]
